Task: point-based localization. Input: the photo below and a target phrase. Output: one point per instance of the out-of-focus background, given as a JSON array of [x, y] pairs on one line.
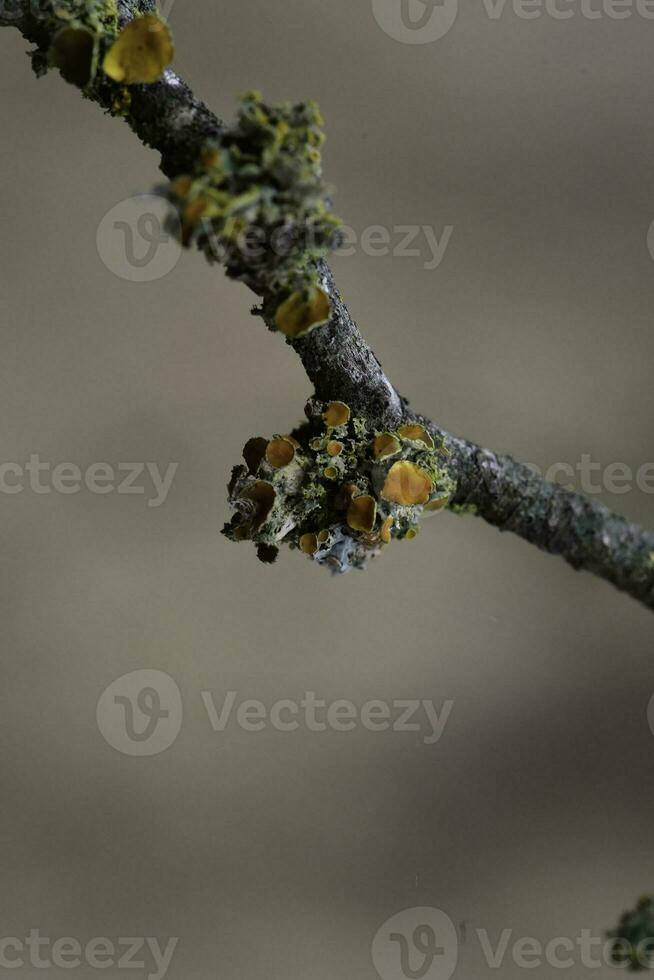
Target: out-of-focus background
[[282, 853]]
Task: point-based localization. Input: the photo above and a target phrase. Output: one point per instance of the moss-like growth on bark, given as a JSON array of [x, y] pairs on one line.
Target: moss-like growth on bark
[[256, 202]]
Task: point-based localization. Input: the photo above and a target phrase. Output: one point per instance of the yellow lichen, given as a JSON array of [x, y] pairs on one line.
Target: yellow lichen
[[361, 513], [280, 452], [386, 529], [141, 52], [299, 314], [437, 503], [385, 445], [308, 544], [182, 185], [416, 433], [407, 484], [335, 448], [336, 414], [262, 494]]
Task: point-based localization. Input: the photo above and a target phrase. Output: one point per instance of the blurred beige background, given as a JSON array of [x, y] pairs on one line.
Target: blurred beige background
[[272, 854]]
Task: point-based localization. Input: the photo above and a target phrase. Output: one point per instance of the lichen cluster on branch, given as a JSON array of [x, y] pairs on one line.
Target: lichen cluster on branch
[[337, 490], [257, 203], [117, 52], [84, 41]]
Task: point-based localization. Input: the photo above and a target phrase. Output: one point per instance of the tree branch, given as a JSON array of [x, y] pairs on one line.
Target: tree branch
[[168, 117]]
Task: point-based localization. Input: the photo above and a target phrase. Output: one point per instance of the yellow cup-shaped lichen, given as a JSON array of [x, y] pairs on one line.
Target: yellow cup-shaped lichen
[[361, 513], [141, 52], [279, 452], [407, 484], [299, 314], [386, 445], [334, 447], [416, 433], [308, 544], [336, 414], [262, 494], [73, 51]]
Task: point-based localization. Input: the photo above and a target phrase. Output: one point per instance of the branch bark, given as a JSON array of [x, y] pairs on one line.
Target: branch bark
[[168, 117]]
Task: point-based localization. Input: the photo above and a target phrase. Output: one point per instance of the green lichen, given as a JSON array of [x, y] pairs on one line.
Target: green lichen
[[256, 202], [462, 509], [84, 35], [633, 945], [336, 499], [80, 32]]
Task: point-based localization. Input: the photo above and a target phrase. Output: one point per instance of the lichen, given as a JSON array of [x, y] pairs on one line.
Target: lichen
[[633, 940], [462, 509], [79, 32], [89, 50], [340, 508], [256, 202], [141, 52]]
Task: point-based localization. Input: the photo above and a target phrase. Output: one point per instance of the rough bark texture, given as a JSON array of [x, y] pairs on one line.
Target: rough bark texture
[[168, 117], [584, 532]]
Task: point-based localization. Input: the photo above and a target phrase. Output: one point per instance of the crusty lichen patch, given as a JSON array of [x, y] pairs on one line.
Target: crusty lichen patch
[[337, 490], [257, 203]]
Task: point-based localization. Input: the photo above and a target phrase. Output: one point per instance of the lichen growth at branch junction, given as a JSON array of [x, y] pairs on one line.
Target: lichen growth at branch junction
[[257, 203], [331, 490]]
